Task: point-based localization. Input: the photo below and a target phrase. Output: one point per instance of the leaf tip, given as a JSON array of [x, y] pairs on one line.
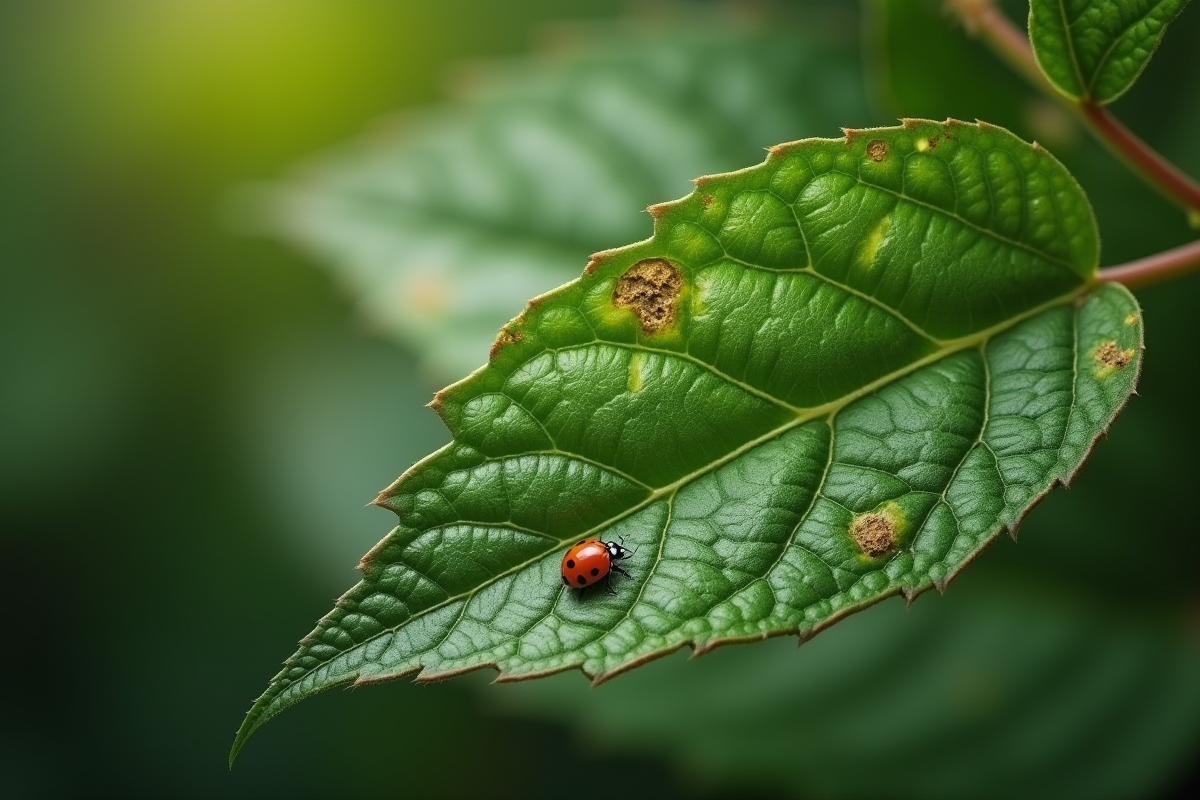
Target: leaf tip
[[253, 721], [436, 403]]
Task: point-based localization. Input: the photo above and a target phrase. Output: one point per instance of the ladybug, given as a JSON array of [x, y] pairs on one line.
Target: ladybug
[[590, 560]]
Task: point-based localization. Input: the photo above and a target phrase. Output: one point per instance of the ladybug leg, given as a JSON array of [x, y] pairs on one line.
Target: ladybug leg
[[608, 589], [618, 569]]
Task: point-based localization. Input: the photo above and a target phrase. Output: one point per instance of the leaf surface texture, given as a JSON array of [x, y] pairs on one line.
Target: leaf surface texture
[[825, 380]]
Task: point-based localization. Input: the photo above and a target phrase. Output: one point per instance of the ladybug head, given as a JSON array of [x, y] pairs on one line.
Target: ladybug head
[[615, 550]]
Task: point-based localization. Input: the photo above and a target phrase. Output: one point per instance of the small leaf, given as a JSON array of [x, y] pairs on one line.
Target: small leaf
[[825, 380], [1093, 50]]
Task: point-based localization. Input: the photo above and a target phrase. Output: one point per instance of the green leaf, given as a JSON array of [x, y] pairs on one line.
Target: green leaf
[[825, 380], [1093, 50]]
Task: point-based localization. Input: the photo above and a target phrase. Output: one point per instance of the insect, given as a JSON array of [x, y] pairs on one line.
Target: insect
[[590, 560]]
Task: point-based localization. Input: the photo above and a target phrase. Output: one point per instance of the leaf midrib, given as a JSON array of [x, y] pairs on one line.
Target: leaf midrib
[[1070, 39]]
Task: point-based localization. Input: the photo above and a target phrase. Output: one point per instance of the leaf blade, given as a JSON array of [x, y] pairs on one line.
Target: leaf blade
[[1094, 50], [792, 493]]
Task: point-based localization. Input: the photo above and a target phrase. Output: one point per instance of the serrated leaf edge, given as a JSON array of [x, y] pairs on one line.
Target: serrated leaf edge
[[255, 717]]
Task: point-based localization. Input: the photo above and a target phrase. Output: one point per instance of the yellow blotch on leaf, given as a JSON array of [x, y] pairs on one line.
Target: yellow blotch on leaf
[[870, 246], [635, 372]]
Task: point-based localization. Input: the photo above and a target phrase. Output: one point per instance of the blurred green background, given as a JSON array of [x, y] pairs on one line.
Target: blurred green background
[[193, 418]]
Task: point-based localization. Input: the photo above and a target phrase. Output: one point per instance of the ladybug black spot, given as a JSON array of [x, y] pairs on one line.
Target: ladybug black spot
[[582, 580], [570, 563], [595, 572]]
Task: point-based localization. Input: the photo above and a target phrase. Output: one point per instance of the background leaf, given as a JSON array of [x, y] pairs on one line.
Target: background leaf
[[996, 689], [418, 219], [1093, 50], [721, 429]]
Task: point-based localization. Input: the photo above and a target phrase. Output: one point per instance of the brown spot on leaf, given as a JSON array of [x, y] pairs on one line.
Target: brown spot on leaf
[[650, 288], [706, 200], [933, 140], [877, 150], [1110, 356], [874, 534]]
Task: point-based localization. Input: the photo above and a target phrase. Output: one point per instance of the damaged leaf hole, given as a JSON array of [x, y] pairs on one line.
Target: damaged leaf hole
[[874, 534], [1108, 355], [650, 288], [877, 150]]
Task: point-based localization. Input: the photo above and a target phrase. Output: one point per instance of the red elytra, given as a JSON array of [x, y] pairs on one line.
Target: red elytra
[[590, 560]]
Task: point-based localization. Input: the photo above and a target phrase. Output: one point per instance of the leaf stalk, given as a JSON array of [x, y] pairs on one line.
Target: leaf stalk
[[1158, 268]]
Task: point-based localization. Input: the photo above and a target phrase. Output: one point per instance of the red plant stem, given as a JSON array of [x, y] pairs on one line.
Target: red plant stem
[[1012, 45], [1154, 269], [1165, 175]]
